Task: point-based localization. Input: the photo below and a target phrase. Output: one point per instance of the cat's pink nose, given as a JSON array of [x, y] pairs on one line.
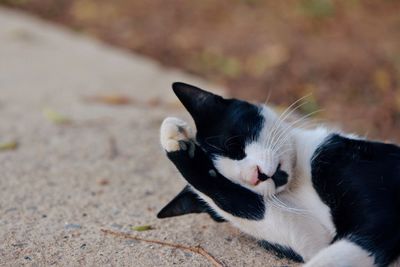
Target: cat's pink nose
[[254, 176], [257, 176]]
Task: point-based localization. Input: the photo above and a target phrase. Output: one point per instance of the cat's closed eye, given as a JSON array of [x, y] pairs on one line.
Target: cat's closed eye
[[235, 147], [236, 151]]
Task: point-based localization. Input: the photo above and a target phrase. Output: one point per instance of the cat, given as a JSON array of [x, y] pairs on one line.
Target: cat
[[313, 195]]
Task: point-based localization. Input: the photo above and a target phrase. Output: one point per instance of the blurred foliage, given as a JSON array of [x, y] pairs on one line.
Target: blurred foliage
[[218, 62], [318, 8], [14, 2], [346, 52]]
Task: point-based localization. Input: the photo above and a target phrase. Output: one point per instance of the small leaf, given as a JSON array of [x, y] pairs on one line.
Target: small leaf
[[12, 145], [382, 80], [111, 99], [55, 117], [142, 228]]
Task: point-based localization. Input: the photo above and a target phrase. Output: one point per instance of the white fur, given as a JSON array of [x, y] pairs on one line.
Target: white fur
[[342, 253]]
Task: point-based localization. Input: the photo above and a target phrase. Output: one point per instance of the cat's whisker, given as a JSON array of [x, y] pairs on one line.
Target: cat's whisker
[[286, 206], [283, 142], [308, 124], [284, 152], [275, 203], [279, 149], [290, 126], [268, 97], [280, 116], [284, 116], [284, 138]]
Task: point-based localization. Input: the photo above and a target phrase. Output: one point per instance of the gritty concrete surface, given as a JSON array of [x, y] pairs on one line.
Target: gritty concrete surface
[[64, 183]]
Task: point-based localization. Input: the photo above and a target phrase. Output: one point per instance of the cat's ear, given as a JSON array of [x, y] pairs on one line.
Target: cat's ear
[[202, 105], [185, 202]]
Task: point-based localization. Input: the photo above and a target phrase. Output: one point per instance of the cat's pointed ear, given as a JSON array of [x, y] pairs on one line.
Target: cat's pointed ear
[[184, 203], [202, 105]]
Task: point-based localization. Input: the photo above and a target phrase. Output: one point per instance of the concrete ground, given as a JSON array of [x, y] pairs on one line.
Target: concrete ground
[[105, 169]]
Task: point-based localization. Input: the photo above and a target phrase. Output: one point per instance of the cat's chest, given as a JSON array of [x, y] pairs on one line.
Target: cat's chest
[[305, 225], [304, 231], [307, 199]]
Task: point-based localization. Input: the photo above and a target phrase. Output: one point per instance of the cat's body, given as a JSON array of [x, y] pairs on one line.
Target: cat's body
[[328, 199]]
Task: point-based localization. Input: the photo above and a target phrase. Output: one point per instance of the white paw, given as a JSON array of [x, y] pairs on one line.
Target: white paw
[[174, 130]]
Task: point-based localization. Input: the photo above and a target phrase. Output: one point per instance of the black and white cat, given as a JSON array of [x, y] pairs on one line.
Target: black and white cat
[[315, 196]]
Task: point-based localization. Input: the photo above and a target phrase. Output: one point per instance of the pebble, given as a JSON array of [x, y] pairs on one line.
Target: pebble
[[116, 225], [72, 226], [19, 245], [115, 211], [10, 210], [131, 242], [148, 193]]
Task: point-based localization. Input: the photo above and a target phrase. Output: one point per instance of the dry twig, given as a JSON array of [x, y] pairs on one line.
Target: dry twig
[[197, 249]]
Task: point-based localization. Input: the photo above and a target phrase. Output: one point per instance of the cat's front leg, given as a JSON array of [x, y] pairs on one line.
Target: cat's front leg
[[342, 253], [198, 170]]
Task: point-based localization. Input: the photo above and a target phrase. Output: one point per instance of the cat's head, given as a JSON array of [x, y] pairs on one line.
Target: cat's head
[[248, 143]]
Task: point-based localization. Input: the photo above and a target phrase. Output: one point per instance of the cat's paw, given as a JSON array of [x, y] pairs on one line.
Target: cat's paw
[[175, 134]]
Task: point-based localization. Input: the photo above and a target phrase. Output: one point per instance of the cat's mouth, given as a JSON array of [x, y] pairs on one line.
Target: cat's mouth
[[280, 177]]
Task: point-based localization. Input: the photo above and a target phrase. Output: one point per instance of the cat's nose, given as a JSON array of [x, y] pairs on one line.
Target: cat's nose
[[254, 176], [262, 176]]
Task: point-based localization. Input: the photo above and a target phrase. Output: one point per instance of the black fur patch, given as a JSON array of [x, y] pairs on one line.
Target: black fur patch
[[281, 251], [228, 196], [360, 182], [280, 177]]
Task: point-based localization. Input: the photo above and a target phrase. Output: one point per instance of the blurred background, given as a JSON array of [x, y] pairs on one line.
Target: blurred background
[[345, 52], [80, 119]]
